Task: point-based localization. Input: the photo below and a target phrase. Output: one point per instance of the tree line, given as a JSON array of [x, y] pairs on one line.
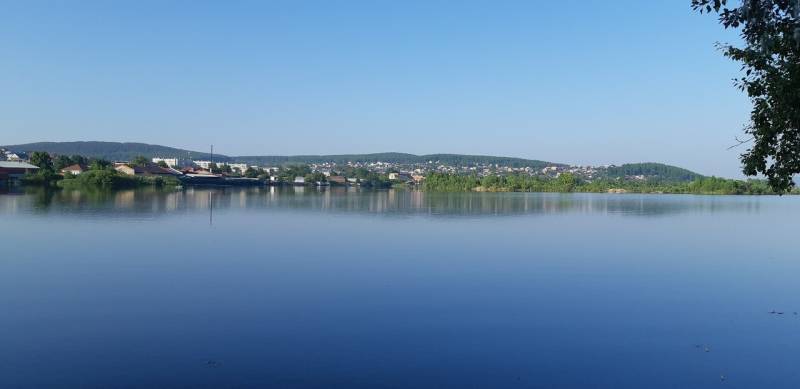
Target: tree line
[[567, 183]]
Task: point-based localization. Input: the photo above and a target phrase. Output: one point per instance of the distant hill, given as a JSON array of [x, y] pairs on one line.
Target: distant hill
[[116, 151], [112, 151]]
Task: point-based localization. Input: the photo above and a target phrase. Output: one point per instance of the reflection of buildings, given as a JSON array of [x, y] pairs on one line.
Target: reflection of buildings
[[158, 203]]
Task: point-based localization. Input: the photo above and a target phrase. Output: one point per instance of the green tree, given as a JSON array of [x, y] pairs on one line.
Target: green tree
[[162, 164], [251, 173], [140, 161], [79, 160], [99, 164], [566, 182], [770, 58], [42, 160], [61, 162]]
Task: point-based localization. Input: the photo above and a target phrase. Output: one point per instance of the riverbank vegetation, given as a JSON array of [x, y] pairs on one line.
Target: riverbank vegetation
[[99, 174], [111, 179], [569, 183]]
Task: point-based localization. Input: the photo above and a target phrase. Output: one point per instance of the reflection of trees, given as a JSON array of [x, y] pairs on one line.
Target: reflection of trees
[[156, 202]]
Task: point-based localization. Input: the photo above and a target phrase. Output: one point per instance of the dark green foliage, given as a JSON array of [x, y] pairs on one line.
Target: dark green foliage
[[288, 173], [376, 181], [652, 170], [42, 159], [61, 162], [46, 175], [79, 160], [99, 164], [495, 183], [314, 177], [111, 179], [140, 160], [43, 177], [568, 183], [103, 179], [770, 58], [253, 173]]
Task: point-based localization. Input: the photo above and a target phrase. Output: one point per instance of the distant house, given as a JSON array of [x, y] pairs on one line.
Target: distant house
[[171, 162], [153, 170], [15, 169], [73, 169], [418, 178], [299, 180], [124, 169], [16, 157], [148, 170], [240, 167], [337, 180], [202, 164], [196, 171], [400, 177]]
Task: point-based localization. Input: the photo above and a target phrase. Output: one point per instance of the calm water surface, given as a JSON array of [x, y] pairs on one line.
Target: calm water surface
[[245, 288]]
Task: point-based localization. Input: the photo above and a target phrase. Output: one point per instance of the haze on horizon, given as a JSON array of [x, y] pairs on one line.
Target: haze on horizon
[[573, 83]]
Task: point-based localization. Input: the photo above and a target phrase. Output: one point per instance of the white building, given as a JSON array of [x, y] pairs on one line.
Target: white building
[[14, 157], [203, 164], [171, 162], [241, 167]]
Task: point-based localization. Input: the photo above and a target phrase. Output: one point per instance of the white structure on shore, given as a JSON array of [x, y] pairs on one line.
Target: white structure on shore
[[241, 167], [171, 162], [203, 164]]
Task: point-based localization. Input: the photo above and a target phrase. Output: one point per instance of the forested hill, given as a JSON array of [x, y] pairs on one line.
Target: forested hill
[[652, 170], [112, 151]]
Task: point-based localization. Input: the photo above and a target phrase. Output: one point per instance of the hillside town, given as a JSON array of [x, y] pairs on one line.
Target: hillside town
[[324, 173], [17, 163]]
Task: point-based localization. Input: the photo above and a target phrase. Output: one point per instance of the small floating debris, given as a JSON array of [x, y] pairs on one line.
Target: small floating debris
[[214, 364], [707, 349], [722, 378]]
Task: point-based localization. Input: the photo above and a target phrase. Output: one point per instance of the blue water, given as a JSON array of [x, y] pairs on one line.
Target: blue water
[[299, 288]]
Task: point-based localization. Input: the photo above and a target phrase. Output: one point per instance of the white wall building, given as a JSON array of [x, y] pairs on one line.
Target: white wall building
[[171, 162], [203, 164], [241, 167]]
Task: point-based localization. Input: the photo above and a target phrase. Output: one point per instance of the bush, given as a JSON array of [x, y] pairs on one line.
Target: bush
[[105, 179]]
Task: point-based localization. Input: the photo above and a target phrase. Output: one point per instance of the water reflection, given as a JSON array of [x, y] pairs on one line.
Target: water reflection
[[154, 203]]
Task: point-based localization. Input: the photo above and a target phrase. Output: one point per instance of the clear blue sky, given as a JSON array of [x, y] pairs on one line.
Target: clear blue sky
[[584, 82]]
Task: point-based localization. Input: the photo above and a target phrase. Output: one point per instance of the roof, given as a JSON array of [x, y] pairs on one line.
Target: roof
[[16, 165], [151, 169], [74, 167]]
